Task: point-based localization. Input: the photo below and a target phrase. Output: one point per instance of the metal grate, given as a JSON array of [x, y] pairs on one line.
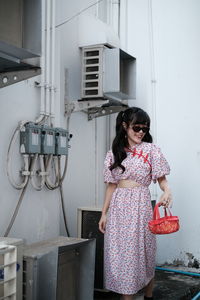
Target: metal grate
[[92, 73]]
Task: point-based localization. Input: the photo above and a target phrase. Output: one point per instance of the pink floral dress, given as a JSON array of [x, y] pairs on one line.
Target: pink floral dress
[[129, 246]]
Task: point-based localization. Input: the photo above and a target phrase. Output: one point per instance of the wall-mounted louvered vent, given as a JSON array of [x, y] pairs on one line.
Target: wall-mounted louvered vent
[[108, 73], [92, 73]]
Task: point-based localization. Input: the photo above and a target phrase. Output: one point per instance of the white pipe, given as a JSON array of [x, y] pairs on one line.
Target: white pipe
[[48, 11], [42, 104], [9, 159], [42, 65], [153, 84], [53, 94]]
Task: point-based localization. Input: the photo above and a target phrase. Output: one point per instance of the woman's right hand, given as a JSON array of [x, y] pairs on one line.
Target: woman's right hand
[[102, 223]]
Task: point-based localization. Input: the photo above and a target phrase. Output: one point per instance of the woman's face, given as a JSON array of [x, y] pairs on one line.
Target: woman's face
[[135, 133]]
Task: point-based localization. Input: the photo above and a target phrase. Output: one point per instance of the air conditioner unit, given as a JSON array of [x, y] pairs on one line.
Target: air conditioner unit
[[108, 73], [88, 219], [58, 269]]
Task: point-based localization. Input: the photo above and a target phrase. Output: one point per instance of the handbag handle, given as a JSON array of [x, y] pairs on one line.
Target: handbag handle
[[156, 213]]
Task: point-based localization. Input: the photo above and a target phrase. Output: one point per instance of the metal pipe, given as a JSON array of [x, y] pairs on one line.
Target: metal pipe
[[43, 66], [48, 10]]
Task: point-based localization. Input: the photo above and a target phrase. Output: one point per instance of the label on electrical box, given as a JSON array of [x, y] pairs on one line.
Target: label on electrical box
[[49, 140], [35, 139], [63, 141]]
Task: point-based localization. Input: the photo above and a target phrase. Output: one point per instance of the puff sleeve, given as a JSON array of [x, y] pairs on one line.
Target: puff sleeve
[[159, 164], [107, 174]]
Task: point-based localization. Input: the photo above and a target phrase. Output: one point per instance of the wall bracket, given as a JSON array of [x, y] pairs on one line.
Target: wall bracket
[[10, 77], [96, 112], [83, 105]]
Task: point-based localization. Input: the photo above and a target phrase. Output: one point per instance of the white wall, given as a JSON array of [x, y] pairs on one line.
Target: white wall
[[168, 84]]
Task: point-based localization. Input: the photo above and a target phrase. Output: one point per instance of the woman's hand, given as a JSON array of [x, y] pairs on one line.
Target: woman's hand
[[102, 223], [166, 199]]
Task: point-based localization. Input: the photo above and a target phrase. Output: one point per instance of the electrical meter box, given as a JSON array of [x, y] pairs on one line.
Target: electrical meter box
[[30, 139], [47, 140], [61, 141]]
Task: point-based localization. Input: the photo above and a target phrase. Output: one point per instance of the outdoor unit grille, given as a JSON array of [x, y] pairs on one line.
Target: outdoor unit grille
[[11, 261], [92, 72], [107, 73], [8, 282], [88, 219]]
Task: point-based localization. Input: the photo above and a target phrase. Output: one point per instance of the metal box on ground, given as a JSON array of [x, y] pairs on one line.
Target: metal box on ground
[[30, 139], [88, 219], [59, 269], [18, 243]]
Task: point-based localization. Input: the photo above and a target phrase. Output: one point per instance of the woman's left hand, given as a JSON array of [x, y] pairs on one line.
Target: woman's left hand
[[166, 199]]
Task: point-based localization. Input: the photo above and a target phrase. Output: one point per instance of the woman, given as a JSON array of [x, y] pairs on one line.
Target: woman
[[129, 246]]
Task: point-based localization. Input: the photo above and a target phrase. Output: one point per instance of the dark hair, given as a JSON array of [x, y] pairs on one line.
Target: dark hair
[[132, 115]]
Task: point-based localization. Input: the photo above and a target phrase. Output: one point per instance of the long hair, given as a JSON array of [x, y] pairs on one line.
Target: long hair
[[132, 115]]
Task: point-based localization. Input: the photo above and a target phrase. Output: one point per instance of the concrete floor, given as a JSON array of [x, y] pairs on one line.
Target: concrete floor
[[168, 286]]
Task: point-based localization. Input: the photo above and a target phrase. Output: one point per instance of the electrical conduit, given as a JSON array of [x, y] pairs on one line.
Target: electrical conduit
[[42, 65], [53, 91]]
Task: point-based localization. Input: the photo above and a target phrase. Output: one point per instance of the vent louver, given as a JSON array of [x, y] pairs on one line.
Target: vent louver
[[92, 73], [108, 73]]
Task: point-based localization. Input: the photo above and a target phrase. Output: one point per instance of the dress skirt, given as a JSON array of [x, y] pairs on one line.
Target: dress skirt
[[129, 246]]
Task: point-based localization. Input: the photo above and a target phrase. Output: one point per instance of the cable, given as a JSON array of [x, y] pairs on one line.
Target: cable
[[9, 158], [79, 13], [63, 209], [49, 184], [33, 173], [16, 210], [66, 157], [62, 201]]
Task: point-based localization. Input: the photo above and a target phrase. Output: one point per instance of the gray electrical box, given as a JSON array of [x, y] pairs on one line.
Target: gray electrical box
[[61, 141], [47, 140], [30, 139]]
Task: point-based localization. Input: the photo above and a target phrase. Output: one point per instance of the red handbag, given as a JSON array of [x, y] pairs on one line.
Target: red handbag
[[164, 225]]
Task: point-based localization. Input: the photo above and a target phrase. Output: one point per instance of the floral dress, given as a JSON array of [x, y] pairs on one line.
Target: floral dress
[[129, 246]]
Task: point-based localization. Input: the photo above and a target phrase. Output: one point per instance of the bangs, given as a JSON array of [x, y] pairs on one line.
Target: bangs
[[140, 117]]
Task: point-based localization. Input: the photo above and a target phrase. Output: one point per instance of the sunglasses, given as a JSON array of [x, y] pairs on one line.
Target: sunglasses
[[138, 128]]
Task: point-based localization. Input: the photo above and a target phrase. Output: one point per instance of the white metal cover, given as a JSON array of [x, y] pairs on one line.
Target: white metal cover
[[92, 63]]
